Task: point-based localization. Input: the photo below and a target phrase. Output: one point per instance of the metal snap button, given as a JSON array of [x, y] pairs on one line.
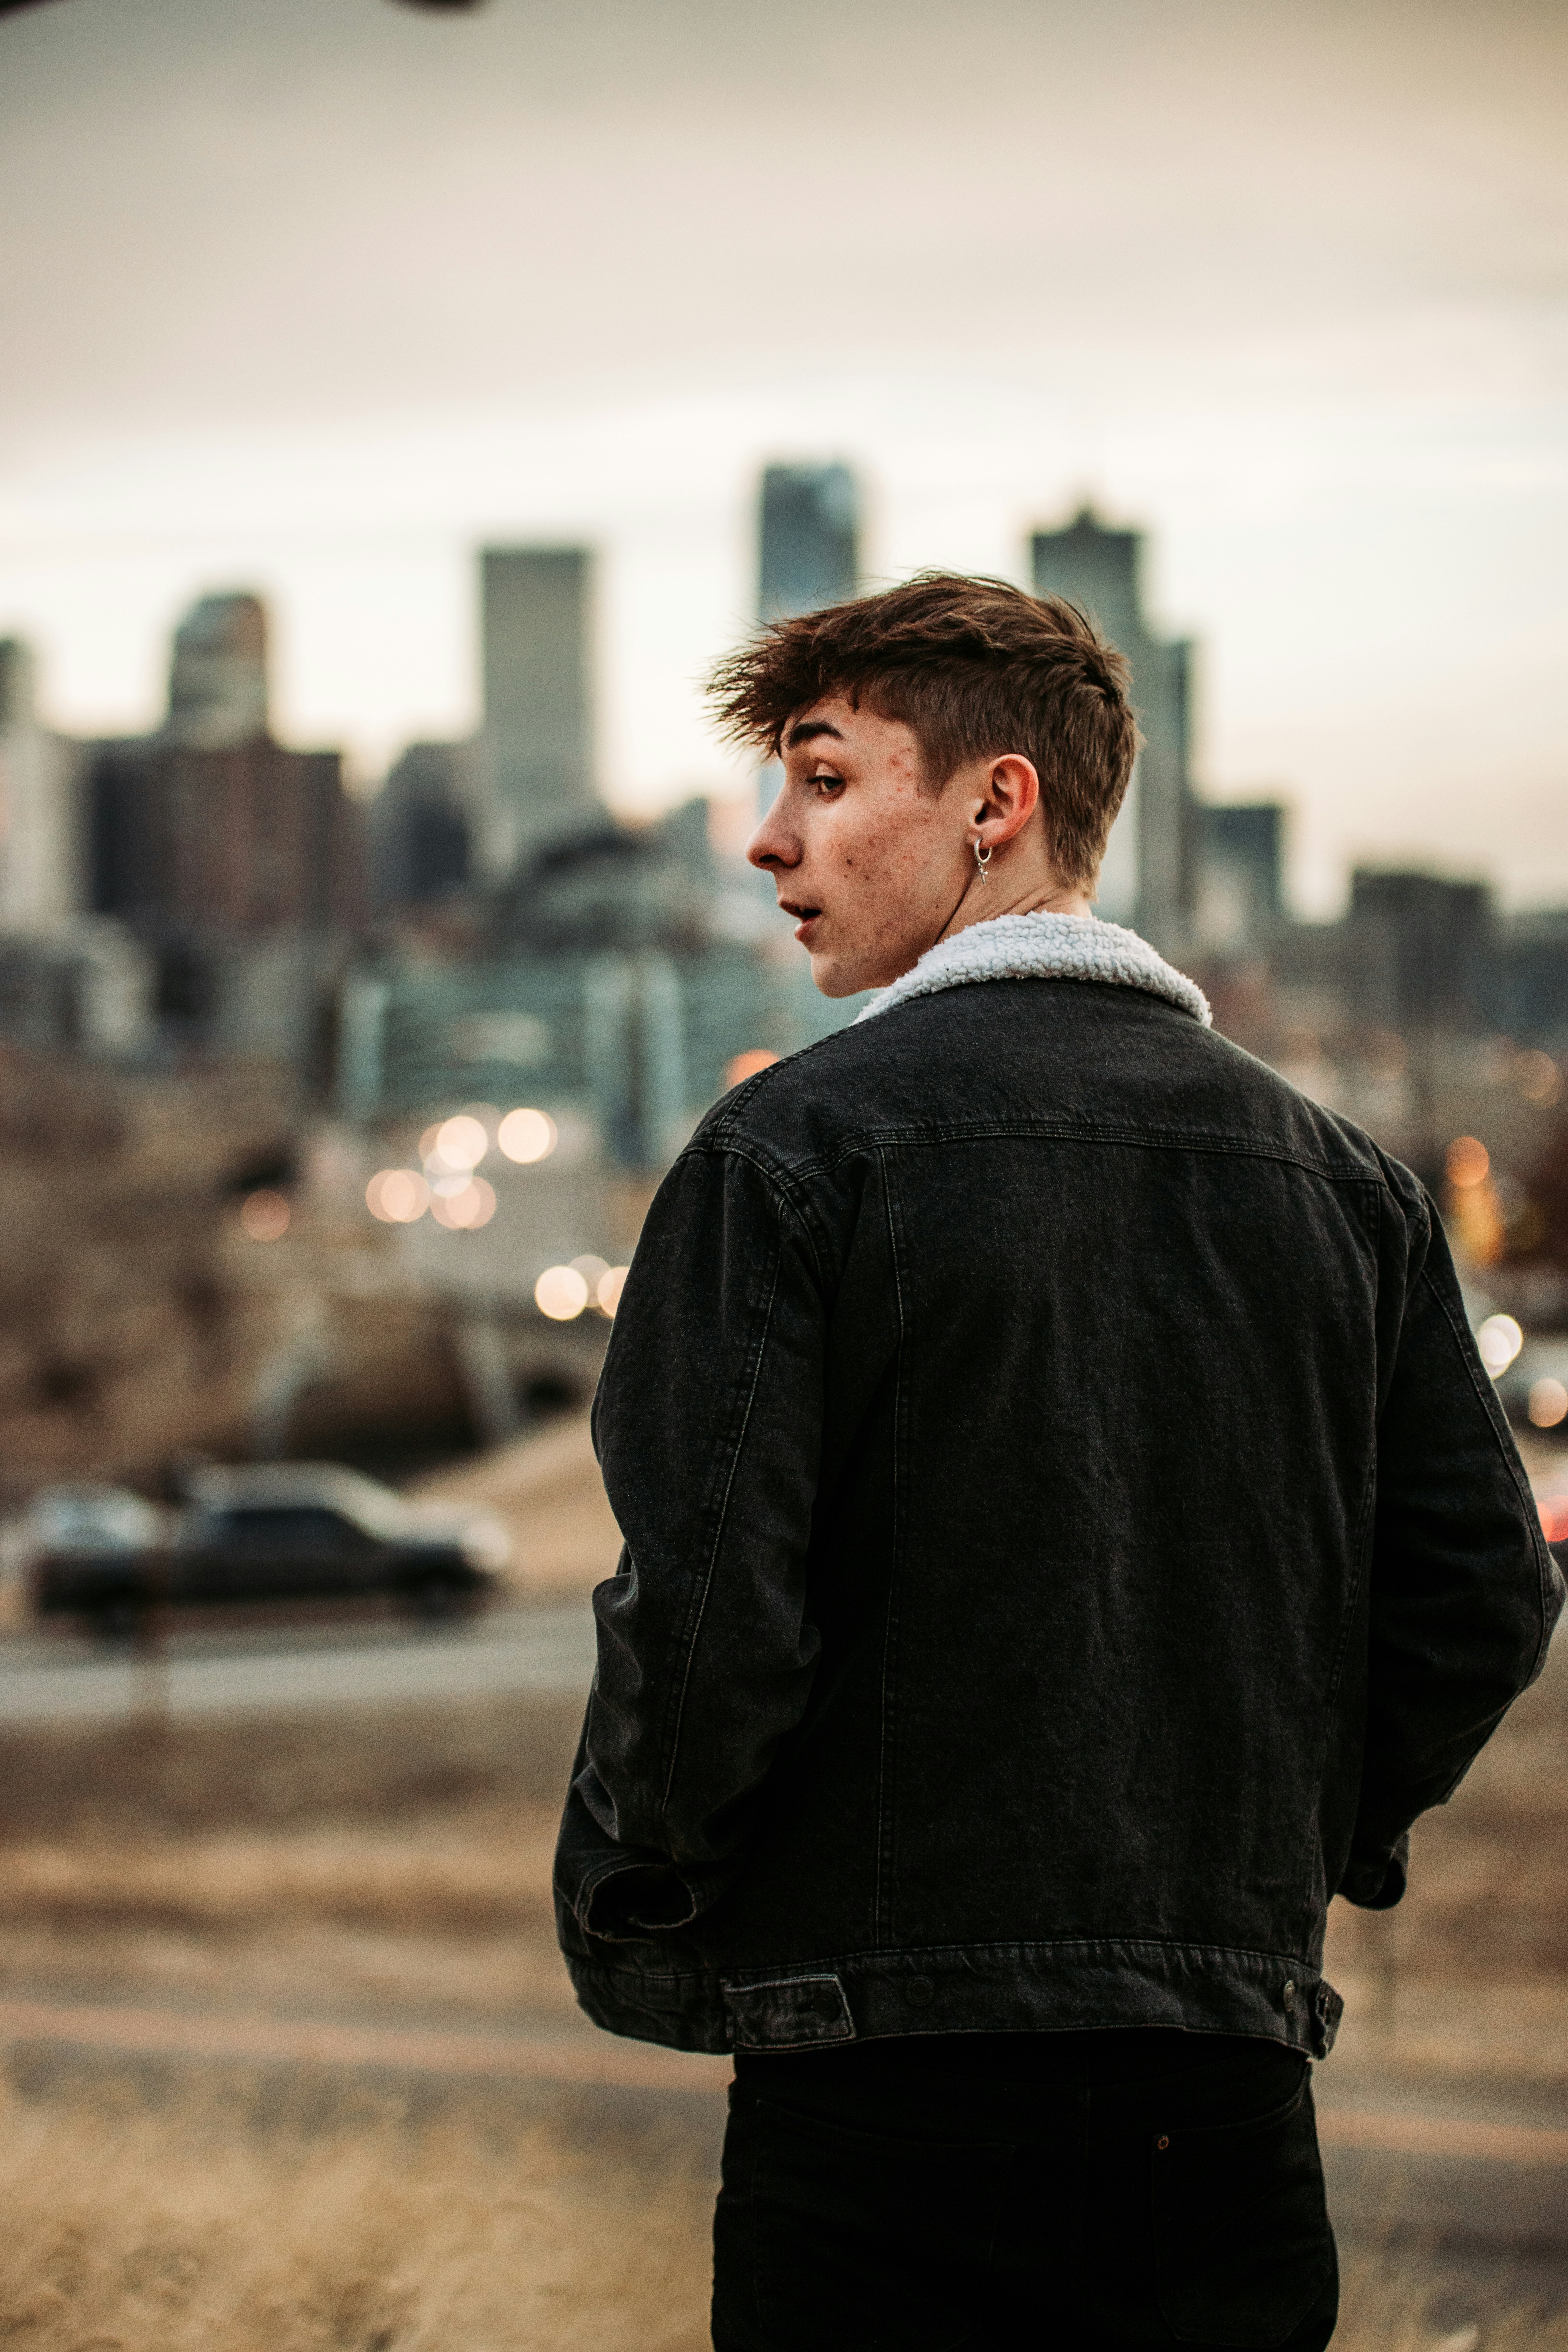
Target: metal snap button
[[1289, 1995], [920, 1992]]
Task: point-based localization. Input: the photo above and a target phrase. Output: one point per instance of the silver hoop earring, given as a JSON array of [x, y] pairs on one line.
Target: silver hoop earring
[[982, 858]]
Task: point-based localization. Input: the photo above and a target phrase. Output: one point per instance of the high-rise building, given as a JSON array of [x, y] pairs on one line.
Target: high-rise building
[[218, 678], [421, 827], [40, 819], [810, 554], [1238, 895], [1424, 946], [535, 767], [233, 860], [1148, 874]]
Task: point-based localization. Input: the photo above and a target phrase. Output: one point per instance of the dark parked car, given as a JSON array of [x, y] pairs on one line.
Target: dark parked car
[[295, 1531]]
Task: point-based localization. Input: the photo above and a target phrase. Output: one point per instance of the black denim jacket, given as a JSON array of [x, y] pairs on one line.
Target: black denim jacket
[[1069, 1535]]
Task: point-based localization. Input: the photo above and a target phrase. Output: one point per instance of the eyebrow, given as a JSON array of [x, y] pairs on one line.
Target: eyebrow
[[808, 730]]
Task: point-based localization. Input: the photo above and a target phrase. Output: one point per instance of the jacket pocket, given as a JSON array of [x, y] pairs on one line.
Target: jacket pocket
[[1242, 2242]]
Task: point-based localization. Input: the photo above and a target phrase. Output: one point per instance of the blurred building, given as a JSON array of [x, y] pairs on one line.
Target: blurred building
[[809, 539], [1149, 874], [1529, 983], [451, 816], [535, 764], [40, 805], [67, 979], [1427, 958], [1238, 884], [237, 862], [217, 677], [421, 829]]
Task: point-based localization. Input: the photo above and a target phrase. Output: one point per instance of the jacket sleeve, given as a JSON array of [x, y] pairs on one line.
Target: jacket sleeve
[[707, 1428], [1464, 1592]]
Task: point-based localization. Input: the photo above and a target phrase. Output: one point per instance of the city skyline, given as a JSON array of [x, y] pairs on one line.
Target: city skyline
[[323, 333]]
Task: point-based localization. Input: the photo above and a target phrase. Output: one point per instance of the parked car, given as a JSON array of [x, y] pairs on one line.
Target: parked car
[[284, 1532]]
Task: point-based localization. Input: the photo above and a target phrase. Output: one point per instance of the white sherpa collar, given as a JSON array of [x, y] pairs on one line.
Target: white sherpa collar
[[1043, 947]]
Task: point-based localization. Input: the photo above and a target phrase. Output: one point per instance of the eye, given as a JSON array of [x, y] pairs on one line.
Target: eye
[[826, 783]]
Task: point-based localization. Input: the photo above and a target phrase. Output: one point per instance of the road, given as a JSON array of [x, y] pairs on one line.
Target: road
[[48, 1679]]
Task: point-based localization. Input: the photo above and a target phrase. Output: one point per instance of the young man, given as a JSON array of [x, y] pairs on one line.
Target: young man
[[1069, 1536]]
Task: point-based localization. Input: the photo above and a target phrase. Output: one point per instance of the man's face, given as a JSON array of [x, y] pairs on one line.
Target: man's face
[[870, 866]]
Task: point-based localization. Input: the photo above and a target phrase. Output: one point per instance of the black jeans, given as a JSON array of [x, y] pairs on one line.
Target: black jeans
[[1053, 2192]]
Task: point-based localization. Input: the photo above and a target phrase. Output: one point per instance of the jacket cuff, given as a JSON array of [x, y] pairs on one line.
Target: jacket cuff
[[630, 1900], [1376, 1882]]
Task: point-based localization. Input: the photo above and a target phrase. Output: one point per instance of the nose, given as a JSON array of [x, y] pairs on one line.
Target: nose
[[775, 844]]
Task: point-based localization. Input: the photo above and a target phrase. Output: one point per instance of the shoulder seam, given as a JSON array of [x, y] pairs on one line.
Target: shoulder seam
[[873, 1140]]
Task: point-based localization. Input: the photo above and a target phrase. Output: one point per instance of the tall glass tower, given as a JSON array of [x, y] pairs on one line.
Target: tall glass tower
[[810, 554]]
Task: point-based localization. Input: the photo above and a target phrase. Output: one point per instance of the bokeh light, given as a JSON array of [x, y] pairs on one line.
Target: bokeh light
[[462, 1141], [1537, 1077], [747, 1065], [397, 1196], [1547, 1404], [465, 1210], [526, 1136], [1467, 1161], [265, 1216], [561, 1293], [1499, 1340], [1554, 1519], [607, 1296]]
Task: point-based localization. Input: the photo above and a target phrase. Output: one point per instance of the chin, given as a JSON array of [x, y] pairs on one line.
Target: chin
[[831, 978]]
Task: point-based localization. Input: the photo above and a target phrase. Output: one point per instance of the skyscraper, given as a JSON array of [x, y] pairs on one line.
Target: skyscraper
[[1147, 877], [217, 677], [41, 816], [536, 751], [209, 832], [809, 551]]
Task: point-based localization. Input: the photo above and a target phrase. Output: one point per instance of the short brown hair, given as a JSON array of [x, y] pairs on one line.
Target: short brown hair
[[976, 668]]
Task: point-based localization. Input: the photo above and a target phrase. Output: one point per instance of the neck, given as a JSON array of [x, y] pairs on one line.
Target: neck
[[1033, 894]]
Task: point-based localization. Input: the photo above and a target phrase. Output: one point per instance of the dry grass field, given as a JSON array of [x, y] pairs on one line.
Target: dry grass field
[[190, 2230], [396, 1868]]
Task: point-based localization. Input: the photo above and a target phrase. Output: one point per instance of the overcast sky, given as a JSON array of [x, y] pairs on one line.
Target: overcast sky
[[315, 295]]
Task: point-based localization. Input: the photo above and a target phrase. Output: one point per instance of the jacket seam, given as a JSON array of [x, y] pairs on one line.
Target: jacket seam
[[881, 1956], [878, 1140], [701, 1610], [758, 1079], [1364, 1538], [775, 1176], [1361, 1556], [881, 1914]]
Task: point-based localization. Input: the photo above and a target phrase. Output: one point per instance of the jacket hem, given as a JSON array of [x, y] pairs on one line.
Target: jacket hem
[[1036, 1987]]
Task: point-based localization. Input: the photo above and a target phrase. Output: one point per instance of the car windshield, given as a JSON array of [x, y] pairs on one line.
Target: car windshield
[[93, 1516], [305, 1487]]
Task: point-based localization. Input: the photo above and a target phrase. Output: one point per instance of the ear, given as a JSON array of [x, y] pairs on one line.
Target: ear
[[1009, 797]]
